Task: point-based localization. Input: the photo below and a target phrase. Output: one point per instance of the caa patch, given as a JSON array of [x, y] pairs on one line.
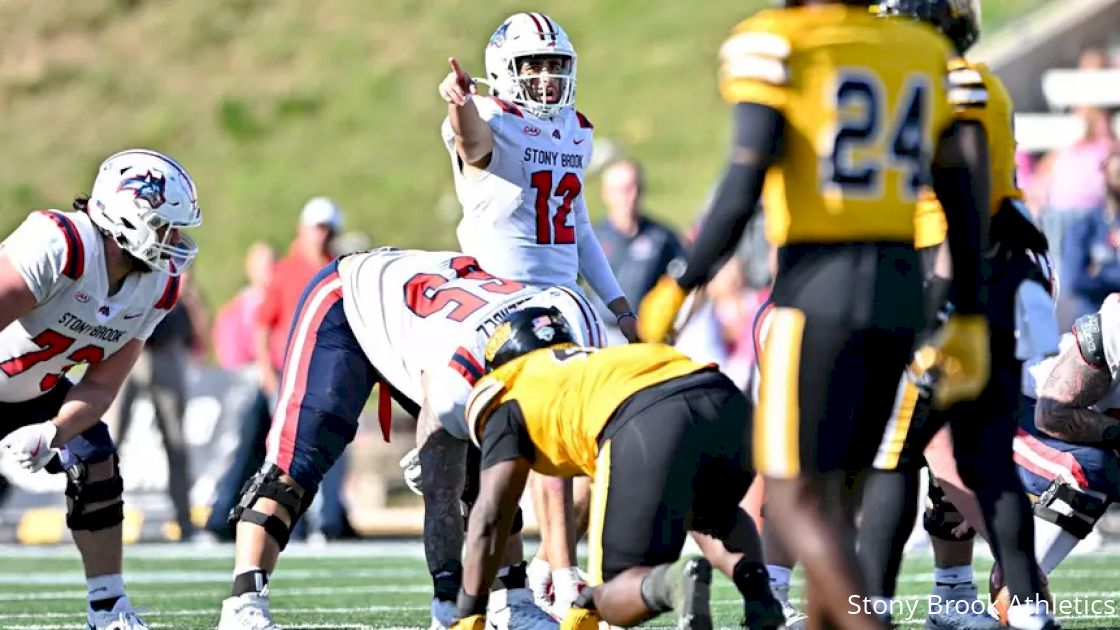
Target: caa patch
[[1087, 330]]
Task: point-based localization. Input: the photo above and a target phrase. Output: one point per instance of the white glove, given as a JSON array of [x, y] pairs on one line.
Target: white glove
[[411, 465], [31, 445], [566, 586]]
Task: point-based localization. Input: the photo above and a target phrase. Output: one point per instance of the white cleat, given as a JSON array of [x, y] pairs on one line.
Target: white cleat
[[247, 612], [514, 609], [795, 619], [444, 614], [121, 617]]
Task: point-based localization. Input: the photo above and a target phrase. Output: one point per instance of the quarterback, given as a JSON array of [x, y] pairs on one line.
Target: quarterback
[[88, 287], [415, 323]]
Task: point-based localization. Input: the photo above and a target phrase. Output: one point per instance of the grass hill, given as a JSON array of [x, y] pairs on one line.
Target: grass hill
[[271, 102]]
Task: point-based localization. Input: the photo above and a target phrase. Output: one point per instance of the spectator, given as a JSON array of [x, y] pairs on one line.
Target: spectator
[[1091, 252], [319, 223], [638, 248], [160, 374], [245, 402], [235, 325]]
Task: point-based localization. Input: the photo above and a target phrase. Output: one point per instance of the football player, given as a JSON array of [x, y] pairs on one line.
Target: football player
[[663, 438], [89, 287], [416, 323], [519, 157], [842, 134], [1019, 309]]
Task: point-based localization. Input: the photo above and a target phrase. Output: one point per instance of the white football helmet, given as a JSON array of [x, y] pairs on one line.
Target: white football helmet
[[143, 199], [525, 35]]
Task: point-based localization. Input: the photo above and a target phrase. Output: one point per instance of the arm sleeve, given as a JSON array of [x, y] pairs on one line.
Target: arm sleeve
[[1036, 323], [961, 180], [39, 250], [505, 437], [593, 265], [447, 398], [758, 139]]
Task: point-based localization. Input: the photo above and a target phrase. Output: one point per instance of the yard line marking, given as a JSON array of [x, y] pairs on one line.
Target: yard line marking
[[142, 593]]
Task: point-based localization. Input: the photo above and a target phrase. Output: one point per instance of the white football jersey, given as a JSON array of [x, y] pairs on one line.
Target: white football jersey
[[417, 312], [524, 216], [75, 320]]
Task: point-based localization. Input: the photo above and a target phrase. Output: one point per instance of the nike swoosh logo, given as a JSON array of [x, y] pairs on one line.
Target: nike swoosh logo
[[580, 141], [134, 316]]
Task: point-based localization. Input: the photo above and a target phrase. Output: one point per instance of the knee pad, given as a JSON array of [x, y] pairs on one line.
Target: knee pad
[[266, 484], [1073, 509], [81, 493], [941, 516]]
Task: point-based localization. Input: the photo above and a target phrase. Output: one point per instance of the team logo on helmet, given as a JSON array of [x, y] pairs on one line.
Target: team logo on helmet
[[499, 36], [149, 187], [542, 328], [497, 340]]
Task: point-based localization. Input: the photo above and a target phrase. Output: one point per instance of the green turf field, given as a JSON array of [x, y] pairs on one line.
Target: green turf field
[[380, 585]]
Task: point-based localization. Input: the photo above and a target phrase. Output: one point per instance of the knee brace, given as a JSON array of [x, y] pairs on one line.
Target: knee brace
[[941, 516], [81, 493], [266, 484], [1073, 509]]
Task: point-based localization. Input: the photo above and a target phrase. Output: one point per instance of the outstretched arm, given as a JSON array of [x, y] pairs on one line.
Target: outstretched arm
[[1064, 399]]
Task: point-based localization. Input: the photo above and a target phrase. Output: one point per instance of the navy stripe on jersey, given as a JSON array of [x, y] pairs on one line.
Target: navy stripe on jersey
[[466, 365], [170, 294], [75, 251]]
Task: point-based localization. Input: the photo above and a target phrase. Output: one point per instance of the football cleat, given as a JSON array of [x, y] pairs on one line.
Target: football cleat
[[514, 609], [247, 612], [121, 617]]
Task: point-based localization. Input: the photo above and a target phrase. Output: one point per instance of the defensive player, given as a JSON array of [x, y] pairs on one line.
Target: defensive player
[[519, 157], [89, 287], [663, 438], [415, 322], [1017, 297], [843, 135]]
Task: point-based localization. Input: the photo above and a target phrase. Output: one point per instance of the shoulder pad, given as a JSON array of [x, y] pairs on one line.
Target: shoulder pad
[[584, 123], [757, 56], [481, 402], [967, 87], [1090, 341], [75, 259]]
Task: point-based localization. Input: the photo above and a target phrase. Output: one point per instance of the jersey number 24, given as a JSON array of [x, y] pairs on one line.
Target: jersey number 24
[[857, 153]]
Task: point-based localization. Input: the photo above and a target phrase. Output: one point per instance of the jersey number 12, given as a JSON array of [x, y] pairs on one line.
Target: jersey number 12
[[553, 229]]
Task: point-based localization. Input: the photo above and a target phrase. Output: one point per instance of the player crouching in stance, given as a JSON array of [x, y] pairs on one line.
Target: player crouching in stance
[[89, 287], [665, 440], [417, 323]]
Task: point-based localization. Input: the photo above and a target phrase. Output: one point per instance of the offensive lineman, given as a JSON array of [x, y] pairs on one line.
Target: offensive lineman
[[843, 135], [89, 287], [415, 322]]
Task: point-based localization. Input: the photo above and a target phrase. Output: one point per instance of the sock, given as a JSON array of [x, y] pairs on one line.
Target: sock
[[1053, 544], [890, 506], [655, 589], [446, 581], [752, 580], [105, 590], [249, 580], [779, 580], [510, 577], [952, 576]]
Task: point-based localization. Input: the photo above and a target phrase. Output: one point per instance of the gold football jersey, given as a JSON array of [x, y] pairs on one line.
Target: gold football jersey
[[864, 102], [568, 395], [978, 95]]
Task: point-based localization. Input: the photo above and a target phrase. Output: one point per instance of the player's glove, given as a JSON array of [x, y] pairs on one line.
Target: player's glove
[[566, 586], [410, 463], [473, 622], [31, 445], [961, 361], [658, 310]]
